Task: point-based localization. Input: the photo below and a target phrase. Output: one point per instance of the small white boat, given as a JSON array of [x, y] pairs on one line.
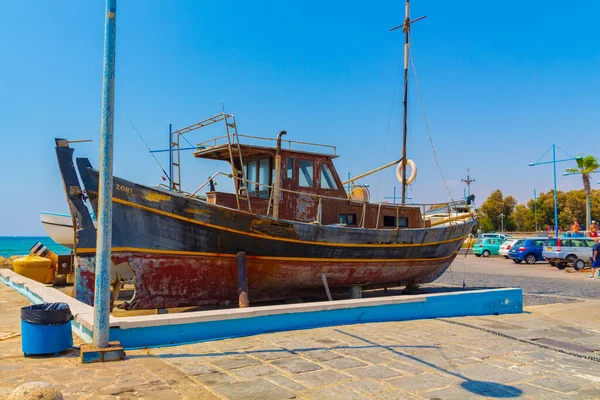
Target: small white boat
[[450, 214], [59, 227]]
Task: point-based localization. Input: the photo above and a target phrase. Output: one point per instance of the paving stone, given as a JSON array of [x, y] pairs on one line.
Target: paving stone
[[333, 393], [235, 362], [285, 383], [320, 355], [253, 372], [367, 387], [395, 395], [271, 354], [589, 393], [373, 358], [536, 392], [214, 379], [343, 363], [473, 391], [201, 369], [296, 365], [373, 372], [423, 382], [491, 373], [407, 368], [555, 383], [253, 390], [322, 377]]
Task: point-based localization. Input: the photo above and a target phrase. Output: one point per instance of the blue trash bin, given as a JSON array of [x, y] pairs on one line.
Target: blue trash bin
[[46, 328]]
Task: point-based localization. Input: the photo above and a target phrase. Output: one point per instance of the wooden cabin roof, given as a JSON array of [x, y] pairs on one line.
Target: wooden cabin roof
[[221, 152]]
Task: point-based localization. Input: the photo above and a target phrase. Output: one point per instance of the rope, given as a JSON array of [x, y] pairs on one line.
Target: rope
[[150, 151], [427, 127]]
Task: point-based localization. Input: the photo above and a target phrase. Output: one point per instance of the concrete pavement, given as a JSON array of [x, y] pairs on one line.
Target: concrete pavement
[[551, 351]]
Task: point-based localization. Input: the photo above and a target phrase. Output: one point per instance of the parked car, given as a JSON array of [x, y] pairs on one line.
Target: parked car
[[486, 247], [528, 250], [505, 247], [562, 252], [500, 236]]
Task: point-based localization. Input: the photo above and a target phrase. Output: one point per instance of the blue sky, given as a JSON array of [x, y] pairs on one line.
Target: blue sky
[[501, 82]]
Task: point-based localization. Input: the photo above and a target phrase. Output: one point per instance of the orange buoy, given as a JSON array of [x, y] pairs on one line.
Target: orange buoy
[[360, 193]]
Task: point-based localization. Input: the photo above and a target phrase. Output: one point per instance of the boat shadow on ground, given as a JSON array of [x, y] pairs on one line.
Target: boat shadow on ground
[[483, 388]]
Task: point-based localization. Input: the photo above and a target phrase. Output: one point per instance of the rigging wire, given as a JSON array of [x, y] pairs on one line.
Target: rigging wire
[[184, 138], [427, 127], [148, 147]]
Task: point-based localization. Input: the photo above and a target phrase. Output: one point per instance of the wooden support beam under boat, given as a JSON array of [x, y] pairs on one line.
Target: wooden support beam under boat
[[242, 279]]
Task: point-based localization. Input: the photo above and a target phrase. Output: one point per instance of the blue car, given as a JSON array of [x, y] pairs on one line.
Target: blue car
[[528, 250]]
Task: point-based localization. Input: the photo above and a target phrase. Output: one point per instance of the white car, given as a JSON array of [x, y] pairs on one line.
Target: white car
[[505, 247]]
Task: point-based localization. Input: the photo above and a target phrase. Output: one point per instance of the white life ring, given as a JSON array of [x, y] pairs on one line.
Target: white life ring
[[413, 171]]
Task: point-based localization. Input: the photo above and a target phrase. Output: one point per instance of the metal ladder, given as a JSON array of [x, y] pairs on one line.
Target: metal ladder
[[232, 126]]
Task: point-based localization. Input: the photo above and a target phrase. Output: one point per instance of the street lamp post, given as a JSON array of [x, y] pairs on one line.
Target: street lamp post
[[535, 209], [501, 222], [554, 162]]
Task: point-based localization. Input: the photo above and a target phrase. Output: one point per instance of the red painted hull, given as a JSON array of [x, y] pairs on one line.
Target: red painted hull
[[163, 281]]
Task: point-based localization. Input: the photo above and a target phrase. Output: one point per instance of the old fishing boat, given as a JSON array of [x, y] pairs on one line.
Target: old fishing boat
[[288, 211]]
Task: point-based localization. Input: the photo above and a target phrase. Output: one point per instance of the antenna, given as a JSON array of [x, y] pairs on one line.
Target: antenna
[[468, 181]]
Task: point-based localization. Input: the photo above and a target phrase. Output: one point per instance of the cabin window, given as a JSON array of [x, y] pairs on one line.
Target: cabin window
[[390, 222], [263, 177], [251, 176], [327, 181], [290, 168], [347, 219], [258, 171], [306, 172]]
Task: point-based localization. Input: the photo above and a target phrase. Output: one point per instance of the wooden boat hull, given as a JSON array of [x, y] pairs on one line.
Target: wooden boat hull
[[182, 250]]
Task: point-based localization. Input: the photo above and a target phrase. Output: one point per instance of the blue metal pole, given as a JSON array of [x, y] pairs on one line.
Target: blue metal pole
[[555, 197], [103, 246], [170, 157]]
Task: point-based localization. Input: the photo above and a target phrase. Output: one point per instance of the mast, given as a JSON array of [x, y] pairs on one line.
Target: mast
[[406, 30], [405, 98]]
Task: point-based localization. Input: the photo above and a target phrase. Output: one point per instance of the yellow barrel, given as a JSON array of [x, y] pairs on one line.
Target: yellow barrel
[[33, 267]]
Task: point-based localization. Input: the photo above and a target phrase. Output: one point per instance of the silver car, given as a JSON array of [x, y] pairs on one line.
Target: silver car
[[563, 252], [505, 247]]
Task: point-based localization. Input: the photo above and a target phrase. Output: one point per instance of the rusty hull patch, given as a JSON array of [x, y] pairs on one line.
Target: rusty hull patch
[[274, 228]]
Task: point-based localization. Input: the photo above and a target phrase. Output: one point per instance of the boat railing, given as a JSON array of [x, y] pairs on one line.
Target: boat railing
[[244, 185], [290, 144]]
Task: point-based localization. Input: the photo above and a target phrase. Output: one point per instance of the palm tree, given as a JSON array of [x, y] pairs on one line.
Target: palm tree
[[586, 166]]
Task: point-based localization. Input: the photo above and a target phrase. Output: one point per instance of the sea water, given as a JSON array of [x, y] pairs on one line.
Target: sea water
[[20, 245]]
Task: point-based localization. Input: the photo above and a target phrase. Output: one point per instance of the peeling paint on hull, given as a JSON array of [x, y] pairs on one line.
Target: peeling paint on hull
[[164, 281]]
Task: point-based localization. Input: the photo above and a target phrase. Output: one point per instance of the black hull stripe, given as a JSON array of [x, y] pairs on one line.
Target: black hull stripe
[[52, 223]]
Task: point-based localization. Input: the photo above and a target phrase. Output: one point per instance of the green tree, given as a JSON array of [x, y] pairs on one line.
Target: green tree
[[491, 209], [586, 166], [520, 217]]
